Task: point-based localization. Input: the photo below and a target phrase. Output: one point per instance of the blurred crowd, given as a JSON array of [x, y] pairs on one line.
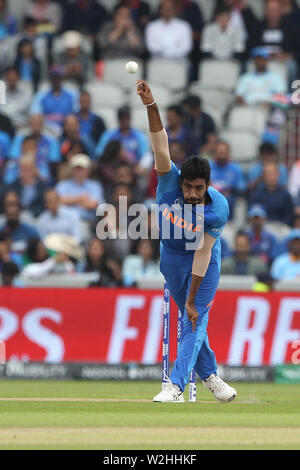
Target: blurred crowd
[[60, 158]]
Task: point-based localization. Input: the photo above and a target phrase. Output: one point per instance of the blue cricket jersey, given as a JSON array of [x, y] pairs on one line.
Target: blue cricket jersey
[[216, 214]]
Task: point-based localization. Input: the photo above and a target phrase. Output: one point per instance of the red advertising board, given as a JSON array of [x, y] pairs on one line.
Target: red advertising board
[[125, 325]]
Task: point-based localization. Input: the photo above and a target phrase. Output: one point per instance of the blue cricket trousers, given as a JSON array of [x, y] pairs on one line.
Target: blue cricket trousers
[[194, 350]]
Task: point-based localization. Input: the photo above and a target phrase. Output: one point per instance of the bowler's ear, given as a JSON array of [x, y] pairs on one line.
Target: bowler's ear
[[209, 183]]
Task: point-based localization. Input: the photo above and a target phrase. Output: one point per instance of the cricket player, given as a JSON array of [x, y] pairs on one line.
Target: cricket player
[[192, 275]]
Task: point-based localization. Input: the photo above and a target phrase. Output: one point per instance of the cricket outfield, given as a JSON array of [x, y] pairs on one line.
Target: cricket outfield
[[121, 415]]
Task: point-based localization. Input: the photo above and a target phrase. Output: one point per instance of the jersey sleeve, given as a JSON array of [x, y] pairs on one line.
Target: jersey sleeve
[[167, 182], [219, 218]]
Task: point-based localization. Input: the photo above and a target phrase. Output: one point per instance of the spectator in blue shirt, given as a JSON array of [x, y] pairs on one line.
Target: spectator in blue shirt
[[56, 103], [263, 243], [29, 186], [27, 64], [19, 232], [134, 142], [287, 265], [58, 218], [267, 153], [46, 150], [5, 141], [90, 124], [79, 192], [259, 86], [276, 200], [8, 23], [226, 176]]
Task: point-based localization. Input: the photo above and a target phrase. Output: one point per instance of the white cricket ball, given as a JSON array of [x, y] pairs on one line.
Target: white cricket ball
[[131, 67]]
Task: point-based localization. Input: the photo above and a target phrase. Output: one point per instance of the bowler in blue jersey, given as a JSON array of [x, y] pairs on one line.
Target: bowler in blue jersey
[[191, 270]]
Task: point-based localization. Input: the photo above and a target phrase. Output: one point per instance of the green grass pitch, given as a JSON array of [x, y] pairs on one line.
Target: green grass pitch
[[121, 415]]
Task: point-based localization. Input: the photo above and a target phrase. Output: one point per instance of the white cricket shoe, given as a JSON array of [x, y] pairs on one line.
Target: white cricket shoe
[[169, 394], [220, 389]]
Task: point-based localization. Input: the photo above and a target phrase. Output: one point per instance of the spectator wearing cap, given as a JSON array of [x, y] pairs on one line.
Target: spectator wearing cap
[[79, 192], [19, 232], [221, 40], [200, 126], [267, 153], [134, 142], [227, 176], [56, 103], [18, 98], [242, 262], [276, 200], [287, 265], [73, 60], [120, 37], [263, 243], [47, 153], [58, 218], [259, 86], [90, 124], [169, 37]]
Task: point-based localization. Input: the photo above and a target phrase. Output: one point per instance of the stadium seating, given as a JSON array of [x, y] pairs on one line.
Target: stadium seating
[[163, 97], [244, 145], [207, 8], [109, 116], [114, 72], [219, 73], [248, 118], [105, 95], [170, 73], [214, 97], [216, 115]]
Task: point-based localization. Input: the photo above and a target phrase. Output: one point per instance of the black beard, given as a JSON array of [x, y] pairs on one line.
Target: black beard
[[13, 223]]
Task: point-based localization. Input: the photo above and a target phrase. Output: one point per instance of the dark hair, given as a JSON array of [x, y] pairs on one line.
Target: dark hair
[[221, 10], [193, 101], [176, 109], [4, 236], [10, 269], [241, 233], [32, 249], [22, 43], [29, 21], [124, 111], [267, 147], [110, 152], [195, 167], [12, 69]]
